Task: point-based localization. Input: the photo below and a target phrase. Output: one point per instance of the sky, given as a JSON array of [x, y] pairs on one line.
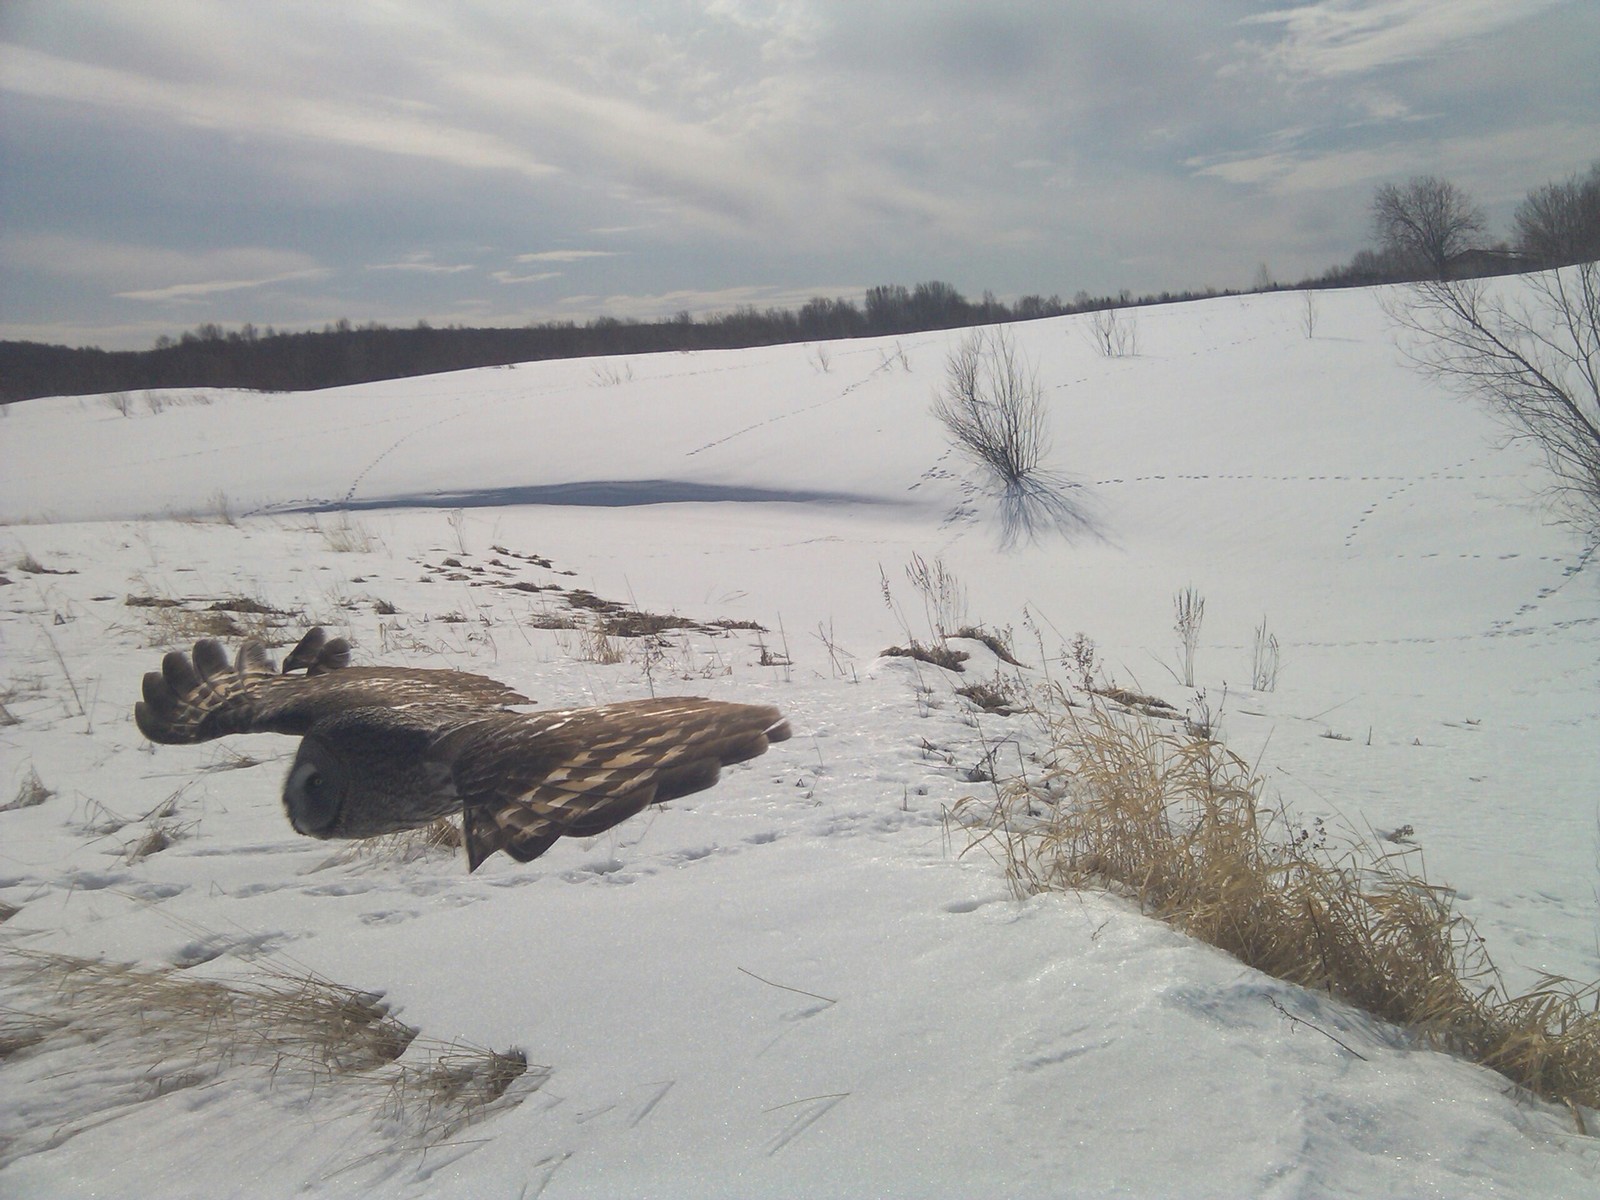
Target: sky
[[495, 162]]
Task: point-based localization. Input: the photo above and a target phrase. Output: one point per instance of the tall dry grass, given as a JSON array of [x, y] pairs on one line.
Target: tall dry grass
[[1177, 823], [138, 1034]]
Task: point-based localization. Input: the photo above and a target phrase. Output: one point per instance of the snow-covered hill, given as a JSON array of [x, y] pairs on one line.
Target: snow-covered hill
[[795, 984]]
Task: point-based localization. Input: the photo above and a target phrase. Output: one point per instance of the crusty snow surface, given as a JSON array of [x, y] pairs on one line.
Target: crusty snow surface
[[796, 983]]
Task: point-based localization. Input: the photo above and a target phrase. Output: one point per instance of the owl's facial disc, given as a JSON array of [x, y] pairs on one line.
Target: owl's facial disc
[[314, 792]]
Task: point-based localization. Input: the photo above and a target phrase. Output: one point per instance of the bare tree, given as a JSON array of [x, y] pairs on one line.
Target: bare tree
[[1560, 222], [995, 413], [1428, 223], [1534, 358]]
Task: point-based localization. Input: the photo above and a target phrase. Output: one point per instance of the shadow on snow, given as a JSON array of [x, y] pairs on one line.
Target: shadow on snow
[[598, 493]]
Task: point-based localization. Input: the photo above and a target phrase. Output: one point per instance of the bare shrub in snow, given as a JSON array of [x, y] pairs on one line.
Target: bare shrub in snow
[[1534, 359], [1114, 333], [995, 413], [993, 408]]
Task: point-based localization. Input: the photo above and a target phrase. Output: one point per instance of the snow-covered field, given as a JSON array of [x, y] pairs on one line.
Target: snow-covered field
[[794, 983]]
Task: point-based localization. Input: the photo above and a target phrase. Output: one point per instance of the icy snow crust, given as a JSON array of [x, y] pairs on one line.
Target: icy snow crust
[[795, 984]]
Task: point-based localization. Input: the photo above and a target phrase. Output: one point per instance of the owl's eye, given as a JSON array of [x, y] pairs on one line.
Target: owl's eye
[[312, 797]]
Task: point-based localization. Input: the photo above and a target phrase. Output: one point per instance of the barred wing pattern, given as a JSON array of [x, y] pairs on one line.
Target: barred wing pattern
[[526, 780], [390, 748], [209, 697]]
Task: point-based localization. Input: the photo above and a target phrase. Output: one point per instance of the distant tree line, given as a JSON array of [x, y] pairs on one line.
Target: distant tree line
[[1426, 228], [342, 353]]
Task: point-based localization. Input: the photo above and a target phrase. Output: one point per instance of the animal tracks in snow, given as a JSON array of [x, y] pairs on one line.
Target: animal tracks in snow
[[882, 367]]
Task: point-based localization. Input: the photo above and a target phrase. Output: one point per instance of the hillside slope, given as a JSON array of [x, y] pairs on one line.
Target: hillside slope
[[796, 983]]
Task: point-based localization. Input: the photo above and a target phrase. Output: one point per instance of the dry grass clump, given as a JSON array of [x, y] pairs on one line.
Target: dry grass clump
[[1001, 695], [937, 653], [1176, 822], [452, 1087], [596, 645], [30, 792], [182, 1025], [999, 644], [241, 618], [442, 836], [153, 841], [1150, 706], [345, 536], [130, 1035]]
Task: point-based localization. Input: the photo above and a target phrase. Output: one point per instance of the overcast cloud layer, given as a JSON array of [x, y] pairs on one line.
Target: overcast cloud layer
[[288, 164]]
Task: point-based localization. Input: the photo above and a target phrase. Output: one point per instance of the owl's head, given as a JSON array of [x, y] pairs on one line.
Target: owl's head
[[314, 794], [357, 776]]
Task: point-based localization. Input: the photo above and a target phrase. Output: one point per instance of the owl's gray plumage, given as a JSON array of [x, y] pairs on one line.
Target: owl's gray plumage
[[391, 748]]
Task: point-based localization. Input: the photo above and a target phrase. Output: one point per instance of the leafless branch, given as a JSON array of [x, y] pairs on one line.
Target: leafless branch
[[1534, 360]]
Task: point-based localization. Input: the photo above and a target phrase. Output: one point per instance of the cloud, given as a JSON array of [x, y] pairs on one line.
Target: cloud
[[1345, 37], [508, 277], [422, 263], [565, 256], [139, 271], [210, 287], [635, 150], [275, 112], [1519, 153]]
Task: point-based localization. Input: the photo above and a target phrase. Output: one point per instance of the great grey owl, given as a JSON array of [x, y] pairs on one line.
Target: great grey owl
[[391, 748]]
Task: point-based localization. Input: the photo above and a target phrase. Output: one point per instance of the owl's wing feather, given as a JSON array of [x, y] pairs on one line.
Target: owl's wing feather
[[527, 779], [198, 698]]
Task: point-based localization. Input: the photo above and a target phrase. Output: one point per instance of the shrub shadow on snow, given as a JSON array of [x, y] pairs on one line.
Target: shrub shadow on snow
[[596, 493], [1042, 503]]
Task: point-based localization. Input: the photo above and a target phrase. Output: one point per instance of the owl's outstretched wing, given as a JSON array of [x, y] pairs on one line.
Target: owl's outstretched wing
[[207, 696], [527, 779], [523, 780]]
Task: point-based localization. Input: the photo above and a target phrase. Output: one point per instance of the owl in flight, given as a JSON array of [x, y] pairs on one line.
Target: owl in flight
[[389, 748]]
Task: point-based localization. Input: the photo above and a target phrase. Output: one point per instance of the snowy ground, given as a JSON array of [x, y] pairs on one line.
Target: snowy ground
[[793, 984]]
